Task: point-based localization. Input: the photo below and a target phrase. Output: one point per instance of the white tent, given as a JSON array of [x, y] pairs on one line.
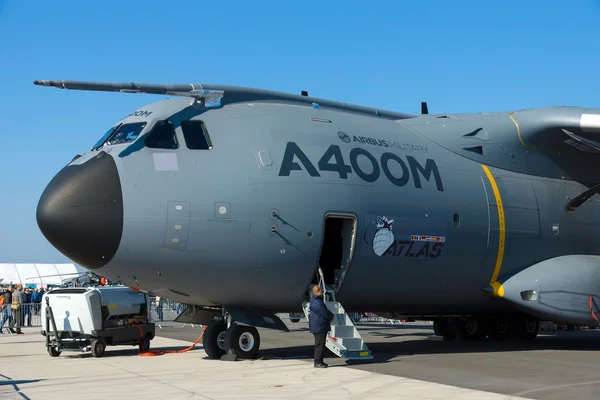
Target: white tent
[[38, 274]]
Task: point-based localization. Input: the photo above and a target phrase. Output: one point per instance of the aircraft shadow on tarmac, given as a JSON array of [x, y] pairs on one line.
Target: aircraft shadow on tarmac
[[7, 381], [385, 348]]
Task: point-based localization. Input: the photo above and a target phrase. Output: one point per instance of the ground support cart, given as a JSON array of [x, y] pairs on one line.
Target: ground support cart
[[91, 318]]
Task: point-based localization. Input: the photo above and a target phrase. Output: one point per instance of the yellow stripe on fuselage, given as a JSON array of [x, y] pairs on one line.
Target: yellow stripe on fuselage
[[527, 146], [518, 129], [498, 289]]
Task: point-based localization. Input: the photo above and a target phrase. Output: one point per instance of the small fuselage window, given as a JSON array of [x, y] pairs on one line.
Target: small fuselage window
[[196, 135], [126, 133], [162, 136]]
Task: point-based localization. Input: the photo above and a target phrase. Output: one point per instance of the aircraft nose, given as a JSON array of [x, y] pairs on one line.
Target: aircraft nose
[[81, 211]]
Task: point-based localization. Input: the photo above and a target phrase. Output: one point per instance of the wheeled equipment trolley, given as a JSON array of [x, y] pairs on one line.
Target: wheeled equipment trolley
[[91, 318]]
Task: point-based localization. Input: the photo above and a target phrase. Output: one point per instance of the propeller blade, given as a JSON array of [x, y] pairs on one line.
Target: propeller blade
[[577, 201]]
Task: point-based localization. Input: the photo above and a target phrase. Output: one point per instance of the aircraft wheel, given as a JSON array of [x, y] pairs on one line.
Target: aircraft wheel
[[471, 329], [500, 328], [242, 341], [527, 328], [438, 327], [98, 347], [213, 340], [476, 328], [441, 327]]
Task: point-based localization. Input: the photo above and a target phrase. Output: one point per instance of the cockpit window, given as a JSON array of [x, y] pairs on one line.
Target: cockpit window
[[106, 136], [195, 135], [162, 136], [126, 133]]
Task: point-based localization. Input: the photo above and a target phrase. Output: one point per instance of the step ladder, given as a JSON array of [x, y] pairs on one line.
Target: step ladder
[[343, 340]]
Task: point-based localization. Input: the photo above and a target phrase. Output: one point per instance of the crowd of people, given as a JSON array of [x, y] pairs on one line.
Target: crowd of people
[[17, 306]]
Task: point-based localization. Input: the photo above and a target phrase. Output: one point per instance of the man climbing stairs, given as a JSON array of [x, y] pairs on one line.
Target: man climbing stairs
[[343, 340]]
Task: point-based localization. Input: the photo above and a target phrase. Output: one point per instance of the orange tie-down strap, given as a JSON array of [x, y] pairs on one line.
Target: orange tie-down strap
[[152, 353]]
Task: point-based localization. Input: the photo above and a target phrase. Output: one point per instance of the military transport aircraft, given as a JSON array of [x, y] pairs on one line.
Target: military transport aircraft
[[237, 201]]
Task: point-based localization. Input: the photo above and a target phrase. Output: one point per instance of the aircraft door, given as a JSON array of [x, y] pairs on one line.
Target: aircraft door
[[337, 248], [178, 224]]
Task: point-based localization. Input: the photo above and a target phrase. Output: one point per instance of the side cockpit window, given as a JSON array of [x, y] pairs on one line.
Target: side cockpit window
[[196, 135], [162, 136], [126, 133]]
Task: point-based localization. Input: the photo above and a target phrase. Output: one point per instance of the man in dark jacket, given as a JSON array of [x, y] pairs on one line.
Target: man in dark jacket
[[319, 321]]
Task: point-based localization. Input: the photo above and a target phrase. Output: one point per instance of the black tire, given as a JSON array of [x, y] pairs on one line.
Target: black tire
[[501, 328], [53, 352], [527, 328], [211, 339], [242, 341], [98, 348], [438, 327], [471, 329], [144, 344], [441, 327]]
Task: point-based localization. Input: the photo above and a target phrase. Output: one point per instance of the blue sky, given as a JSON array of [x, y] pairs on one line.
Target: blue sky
[[459, 56]]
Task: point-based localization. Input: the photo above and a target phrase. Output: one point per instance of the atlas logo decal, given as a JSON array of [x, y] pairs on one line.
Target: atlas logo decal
[[384, 237], [385, 244], [344, 137], [333, 161]]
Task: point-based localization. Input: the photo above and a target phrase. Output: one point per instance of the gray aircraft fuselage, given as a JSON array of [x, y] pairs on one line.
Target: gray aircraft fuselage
[[449, 210]]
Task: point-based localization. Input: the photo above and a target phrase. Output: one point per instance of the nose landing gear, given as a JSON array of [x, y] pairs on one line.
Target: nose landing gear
[[213, 340], [241, 341]]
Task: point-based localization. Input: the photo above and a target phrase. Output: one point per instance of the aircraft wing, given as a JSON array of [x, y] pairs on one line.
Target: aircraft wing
[[212, 94]]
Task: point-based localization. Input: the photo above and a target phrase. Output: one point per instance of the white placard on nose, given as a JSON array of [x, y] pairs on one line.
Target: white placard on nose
[[165, 162]]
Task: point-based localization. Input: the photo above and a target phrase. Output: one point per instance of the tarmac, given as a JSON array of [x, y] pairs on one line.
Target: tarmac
[[28, 372], [556, 365]]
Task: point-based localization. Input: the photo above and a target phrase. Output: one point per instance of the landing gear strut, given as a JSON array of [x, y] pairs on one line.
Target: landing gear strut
[[238, 340]]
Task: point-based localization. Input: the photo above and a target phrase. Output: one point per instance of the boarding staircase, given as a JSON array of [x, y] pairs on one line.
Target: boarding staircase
[[343, 340]]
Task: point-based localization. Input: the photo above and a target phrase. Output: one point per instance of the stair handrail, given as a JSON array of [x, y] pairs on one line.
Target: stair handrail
[[322, 281]]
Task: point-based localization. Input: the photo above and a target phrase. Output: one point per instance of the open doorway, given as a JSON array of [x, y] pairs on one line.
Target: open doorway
[[337, 249]]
